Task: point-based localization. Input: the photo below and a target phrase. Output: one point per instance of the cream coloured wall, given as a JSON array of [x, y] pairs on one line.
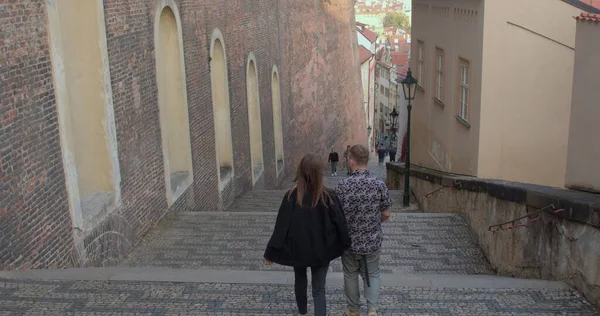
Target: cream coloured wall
[[84, 102], [364, 74], [222, 116], [381, 113], [86, 96], [277, 127], [256, 148], [439, 140], [526, 96], [172, 100], [583, 154], [368, 81]]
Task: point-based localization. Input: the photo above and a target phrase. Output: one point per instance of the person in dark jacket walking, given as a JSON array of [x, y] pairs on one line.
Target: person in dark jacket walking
[[334, 158], [381, 154], [346, 159], [392, 154], [310, 231]]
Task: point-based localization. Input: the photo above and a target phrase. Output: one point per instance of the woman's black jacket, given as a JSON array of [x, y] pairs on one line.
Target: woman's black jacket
[[306, 236]]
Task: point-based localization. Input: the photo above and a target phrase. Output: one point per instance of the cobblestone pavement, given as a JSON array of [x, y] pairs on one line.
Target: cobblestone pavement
[[414, 243], [26, 297]]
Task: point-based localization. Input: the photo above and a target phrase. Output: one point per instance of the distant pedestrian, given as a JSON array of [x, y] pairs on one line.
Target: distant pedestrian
[[392, 154], [381, 154], [310, 231], [366, 203], [346, 159], [333, 160]]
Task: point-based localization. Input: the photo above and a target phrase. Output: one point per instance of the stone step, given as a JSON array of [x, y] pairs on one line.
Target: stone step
[[258, 201], [270, 200], [161, 274], [126, 297], [421, 243]]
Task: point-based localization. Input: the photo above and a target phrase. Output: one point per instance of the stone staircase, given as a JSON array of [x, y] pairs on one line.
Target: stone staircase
[[211, 264], [414, 243]]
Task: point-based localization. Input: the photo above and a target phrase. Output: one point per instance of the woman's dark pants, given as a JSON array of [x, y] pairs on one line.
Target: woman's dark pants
[[319, 274]]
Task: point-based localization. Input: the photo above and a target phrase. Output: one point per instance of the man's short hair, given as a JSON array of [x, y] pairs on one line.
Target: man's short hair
[[360, 154]]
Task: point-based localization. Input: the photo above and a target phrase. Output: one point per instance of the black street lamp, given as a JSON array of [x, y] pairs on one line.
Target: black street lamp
[[409, 86], [394, 129]]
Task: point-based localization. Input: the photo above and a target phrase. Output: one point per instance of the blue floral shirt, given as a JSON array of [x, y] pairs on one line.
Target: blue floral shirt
[[364, 198]]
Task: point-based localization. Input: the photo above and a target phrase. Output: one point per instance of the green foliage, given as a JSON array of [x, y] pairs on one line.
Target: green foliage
[[396, 19]]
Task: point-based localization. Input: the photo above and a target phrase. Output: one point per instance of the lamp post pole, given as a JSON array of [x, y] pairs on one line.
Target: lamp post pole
[[409, 85], [406, 197], [394, 129]]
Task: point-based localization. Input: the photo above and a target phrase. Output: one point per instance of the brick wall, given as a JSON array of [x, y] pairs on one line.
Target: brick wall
[[35, 225], [311, 42]]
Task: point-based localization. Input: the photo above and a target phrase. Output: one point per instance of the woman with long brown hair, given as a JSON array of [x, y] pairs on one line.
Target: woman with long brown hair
[[310, 231]]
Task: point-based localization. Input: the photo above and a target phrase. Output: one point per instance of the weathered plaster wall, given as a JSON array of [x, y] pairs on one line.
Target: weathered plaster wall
[[324, 109], [558, 247], [456, 27], [172, 101], [514, 143], [583, 151], [254, 119], [85, 99], [312, 44], [277, 124]]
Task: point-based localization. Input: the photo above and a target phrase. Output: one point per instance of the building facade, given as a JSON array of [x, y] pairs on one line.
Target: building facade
[[583, 151], [115, 113], [494, 87], [382, 101], [389, 96], [367, 42], [367, 73]]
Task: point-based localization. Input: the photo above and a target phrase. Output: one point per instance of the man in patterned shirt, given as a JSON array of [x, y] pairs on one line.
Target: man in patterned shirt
[[366, 203]]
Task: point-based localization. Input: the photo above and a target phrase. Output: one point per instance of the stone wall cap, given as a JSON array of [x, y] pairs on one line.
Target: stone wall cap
[[578, 206]]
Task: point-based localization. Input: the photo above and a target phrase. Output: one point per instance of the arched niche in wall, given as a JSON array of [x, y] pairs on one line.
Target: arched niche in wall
[[83, 95], [221, 109], [277, 125], [172, 100], [256, 145]]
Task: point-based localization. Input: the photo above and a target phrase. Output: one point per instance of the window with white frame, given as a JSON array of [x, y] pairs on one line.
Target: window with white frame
[[439, 80], [464, 93], [421, 65]]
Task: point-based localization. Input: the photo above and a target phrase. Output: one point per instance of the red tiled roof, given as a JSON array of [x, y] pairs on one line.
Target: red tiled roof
[[370, 35], [363, 54], [361, 25], [399, 58], [588, 17], [587, 5], [402, 72]]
